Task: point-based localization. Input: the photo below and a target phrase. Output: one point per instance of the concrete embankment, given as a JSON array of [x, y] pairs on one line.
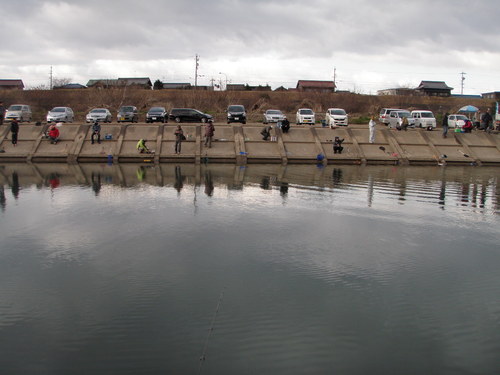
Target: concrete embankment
[[242, 144]]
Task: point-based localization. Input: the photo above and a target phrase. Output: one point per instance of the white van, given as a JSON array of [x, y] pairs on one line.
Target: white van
[[18, 112], [423, 119]]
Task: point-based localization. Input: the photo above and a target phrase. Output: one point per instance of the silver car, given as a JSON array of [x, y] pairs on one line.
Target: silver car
[[99, 115], [396, 119], [60, 114], [18, 112], [273, 115]]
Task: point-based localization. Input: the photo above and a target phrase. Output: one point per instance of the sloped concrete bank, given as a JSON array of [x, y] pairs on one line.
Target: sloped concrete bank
[[243, 144]]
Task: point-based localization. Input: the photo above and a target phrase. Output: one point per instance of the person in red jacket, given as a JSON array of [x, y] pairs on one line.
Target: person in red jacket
[[53, 134]]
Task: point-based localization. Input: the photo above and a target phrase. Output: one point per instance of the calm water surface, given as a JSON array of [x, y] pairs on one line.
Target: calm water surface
[[136, 269]]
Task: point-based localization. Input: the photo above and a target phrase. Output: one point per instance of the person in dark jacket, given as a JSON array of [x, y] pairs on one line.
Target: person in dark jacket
[[96, 131], [179, 137], [14, 129], [337, 145], [285, 125], [445, 124], [486, 121], [209, 133]]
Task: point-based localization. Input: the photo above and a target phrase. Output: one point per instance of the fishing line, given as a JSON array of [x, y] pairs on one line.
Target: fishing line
[[202, 358]]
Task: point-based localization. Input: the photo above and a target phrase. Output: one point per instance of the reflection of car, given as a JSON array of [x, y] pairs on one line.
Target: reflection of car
[[385, 113], [305, 116], [236, 113], [60, 114], [336, 116], [424, 119], [456, 121], [19, 112], [273, 115], [396, 118], [188, 115], [99, 115], [157, 114], [127, 113]]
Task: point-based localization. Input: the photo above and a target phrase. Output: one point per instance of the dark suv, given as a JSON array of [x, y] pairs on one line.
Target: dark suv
[[236, 113], [127, 113], [188, 115], [157, 114]]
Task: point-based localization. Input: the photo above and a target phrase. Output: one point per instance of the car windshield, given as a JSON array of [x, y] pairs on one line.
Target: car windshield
[[58, 109], [306, 112], [98, 110], [157, 109], [404, 114], [273, 112], [236, 108], [15, 108], [337, 112], [126, 109]]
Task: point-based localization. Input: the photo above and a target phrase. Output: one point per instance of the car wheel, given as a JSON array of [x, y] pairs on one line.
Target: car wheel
[[177, 119], [203, 120]]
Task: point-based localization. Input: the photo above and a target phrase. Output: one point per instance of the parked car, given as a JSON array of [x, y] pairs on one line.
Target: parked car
[[236, 113], [99, 115], [305, 116], [385, 113], [456, 121], [336, 116], [423, 119], [18, 112], [60, 114], [396, 119], [157, 114], [273, 115], [127, 113], [188, 115]]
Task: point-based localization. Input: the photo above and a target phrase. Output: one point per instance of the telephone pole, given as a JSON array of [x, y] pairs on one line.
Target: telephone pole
[[197, 59], [50, 80], [462, 83], [334, 77]]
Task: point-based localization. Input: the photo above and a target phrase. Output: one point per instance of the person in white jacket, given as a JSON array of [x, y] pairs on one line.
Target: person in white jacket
[[371, 126]]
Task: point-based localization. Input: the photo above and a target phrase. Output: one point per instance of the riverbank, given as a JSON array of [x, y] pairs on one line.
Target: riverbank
[[243, 144]]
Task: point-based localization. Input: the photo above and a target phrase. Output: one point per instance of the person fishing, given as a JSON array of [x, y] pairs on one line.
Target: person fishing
[[141, 146], [337, 145]]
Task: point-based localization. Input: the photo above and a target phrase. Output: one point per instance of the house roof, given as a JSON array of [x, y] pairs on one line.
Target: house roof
[[12, 82], [433, 85], [72, 86], [120, 81], [171, 85], [135, 81], [316, 84]]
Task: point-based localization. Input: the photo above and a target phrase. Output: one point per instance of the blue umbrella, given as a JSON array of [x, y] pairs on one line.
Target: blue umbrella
[[468, 109]]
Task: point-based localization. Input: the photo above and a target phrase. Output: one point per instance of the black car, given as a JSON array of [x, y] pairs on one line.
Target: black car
[[188, 115], [157, 114], [127, 113], [236, 113]]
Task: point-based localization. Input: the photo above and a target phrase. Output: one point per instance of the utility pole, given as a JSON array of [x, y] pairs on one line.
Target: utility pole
[[462, 83], [334, 76], [197, 59], [50, 84]]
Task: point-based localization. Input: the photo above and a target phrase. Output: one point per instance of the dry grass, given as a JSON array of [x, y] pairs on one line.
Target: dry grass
[[216, 102]]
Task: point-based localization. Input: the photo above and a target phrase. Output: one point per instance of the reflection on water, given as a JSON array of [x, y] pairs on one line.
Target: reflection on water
[[110, 269]]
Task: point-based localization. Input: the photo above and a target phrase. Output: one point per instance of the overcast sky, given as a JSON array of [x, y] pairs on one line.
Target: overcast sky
[[372, 44]]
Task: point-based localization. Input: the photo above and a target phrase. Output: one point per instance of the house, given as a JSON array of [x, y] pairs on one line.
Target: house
[[70, 86], [176, 86], [434, 88], [281, 88], [121, 82], [402, 91], [315, 86], [235, 87], [495, 95], [11, 84]]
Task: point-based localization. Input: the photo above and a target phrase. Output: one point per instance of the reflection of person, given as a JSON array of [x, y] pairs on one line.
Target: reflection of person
[[15, 185], [14, 128], [445, 124], [53, 134], [337, 145], [209, 133], [96, 183], [179, 137], [371, 126], [179, 179], [141, 146], [285, 125], [96, 131], [141, 173], [266, 132], [209, 184]]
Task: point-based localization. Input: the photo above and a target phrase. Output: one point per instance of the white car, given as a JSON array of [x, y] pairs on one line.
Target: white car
[[60, 114], [273, 115], [424, 119], [18, 112], [456, 121], [336, 116], [385, 113], [99, 115], [396, 119], [305, 116]]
